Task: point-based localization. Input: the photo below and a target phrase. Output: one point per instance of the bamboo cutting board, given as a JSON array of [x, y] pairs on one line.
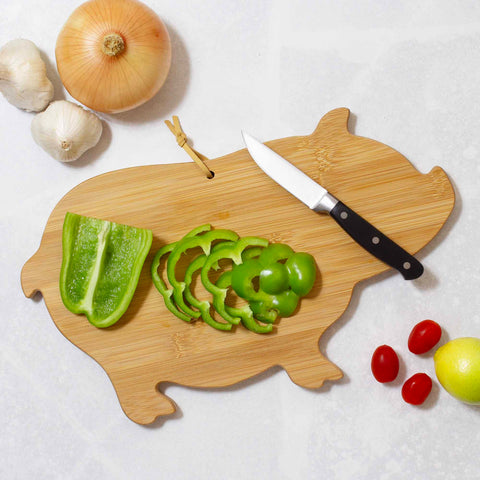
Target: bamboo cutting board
[[149, 345]]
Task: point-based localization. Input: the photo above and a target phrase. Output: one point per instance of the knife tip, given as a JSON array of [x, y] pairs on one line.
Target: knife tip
[[247, 137]]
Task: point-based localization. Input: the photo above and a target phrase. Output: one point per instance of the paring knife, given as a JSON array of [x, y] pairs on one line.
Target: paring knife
[[318, 199]]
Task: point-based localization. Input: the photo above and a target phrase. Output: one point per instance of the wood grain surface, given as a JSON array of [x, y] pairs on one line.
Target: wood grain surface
[[149, 345]]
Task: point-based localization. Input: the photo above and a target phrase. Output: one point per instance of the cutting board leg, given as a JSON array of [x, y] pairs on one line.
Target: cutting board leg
[[308, 368], [142, 402]]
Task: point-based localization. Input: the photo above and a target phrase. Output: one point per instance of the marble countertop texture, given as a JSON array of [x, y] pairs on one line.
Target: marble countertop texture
[[410, 74]]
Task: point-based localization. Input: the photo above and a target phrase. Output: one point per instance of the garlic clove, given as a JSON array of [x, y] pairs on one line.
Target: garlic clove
[[23, 76], [66, 131]]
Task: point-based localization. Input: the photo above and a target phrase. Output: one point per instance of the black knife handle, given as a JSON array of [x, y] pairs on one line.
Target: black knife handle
[[375, 242]]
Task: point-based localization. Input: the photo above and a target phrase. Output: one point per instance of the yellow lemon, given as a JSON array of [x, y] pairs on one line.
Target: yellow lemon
[[457, 365]]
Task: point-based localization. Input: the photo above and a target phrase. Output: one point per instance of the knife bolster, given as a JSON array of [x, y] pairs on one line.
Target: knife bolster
[[326, 203]]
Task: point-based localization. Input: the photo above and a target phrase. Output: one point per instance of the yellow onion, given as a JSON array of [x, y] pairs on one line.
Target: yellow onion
[[113, 55]]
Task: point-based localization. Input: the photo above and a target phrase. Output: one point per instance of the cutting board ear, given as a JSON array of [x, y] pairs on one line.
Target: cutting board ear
[[334, 123]]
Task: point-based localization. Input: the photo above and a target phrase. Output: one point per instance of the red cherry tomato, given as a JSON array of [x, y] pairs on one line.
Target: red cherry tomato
[[417, 388], [424, 336], [385, 364]]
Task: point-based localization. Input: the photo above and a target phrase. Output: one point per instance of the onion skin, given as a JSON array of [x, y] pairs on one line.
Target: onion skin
[[135, 68]]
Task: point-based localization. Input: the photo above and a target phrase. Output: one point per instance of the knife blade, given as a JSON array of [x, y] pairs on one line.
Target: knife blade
[[319, 199]]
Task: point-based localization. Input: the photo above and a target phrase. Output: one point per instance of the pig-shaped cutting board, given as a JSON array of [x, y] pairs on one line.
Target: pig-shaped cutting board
[[149, 345]]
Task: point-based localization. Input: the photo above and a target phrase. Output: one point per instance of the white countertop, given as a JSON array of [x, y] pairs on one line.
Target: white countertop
[[410, 74]]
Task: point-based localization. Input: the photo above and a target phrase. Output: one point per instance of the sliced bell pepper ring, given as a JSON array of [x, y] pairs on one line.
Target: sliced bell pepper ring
[[261, 303], [280, 284], [275, 252], [270, 307], [234, 253], [245, 312], [205, 242], [160, 284], [252, 252], [283, 277], [203, 305], [101, 267], [302, 272]]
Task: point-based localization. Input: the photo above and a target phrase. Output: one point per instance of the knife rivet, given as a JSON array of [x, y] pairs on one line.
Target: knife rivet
[[406, 265], [344, 215], [375, 240]]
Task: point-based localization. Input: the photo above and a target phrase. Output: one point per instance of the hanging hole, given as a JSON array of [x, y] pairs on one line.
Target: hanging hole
[[212, 174]]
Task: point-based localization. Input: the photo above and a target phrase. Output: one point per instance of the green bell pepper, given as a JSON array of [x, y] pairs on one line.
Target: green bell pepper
[[224, 282], [245, 313], [101, 267], [160, 284], [302, 272], [205, 242], [234, 253], [283, 277], [203, 305]]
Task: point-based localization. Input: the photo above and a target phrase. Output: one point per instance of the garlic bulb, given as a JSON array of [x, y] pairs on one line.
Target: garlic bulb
[[66, 131], [113, 55], [23, 76]]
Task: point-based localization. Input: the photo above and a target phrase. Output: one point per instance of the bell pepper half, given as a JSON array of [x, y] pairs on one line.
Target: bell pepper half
[[101, 266]]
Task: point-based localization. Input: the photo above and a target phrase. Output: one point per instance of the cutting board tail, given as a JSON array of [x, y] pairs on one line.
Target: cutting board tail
[[31, 276]]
